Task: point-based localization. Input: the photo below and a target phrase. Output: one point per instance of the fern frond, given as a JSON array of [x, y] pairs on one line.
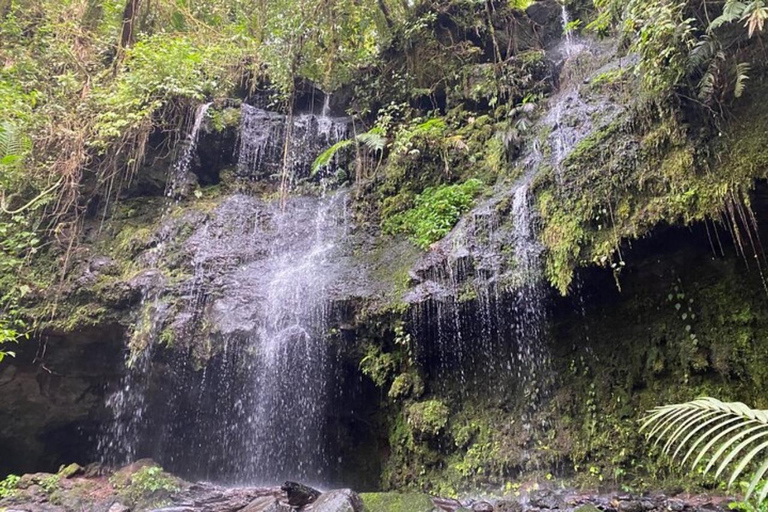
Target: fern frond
[[754, 18], [732, 11], [703, 52], [739, 433], [742, 68], [373, 141], [14, 145], [326, 156]]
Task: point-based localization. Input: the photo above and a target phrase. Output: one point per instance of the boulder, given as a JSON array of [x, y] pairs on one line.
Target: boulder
[[547, 15], [482, 506], [447, 504], [299, 494], [340, 500], [266, 504], [547, 499], [508, 506]]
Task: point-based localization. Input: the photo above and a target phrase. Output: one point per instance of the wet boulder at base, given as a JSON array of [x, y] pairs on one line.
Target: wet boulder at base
[[299, 494], [340, 500]]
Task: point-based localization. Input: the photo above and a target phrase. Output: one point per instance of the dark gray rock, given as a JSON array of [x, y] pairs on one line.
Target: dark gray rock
[[299, 495], [508, 506], [266, 504], [482, 506], [547, 499], [675, 505], [447, 504], [340, 500], [546, 14], [631, 506]]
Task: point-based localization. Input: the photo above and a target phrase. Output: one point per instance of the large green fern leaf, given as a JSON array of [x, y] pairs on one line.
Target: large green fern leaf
[[723, 435]]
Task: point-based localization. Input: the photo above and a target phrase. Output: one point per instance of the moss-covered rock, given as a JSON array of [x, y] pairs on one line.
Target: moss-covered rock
[[397, 502]]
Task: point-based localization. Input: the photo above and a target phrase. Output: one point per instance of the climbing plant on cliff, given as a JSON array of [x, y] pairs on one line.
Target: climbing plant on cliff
[[716, 433]]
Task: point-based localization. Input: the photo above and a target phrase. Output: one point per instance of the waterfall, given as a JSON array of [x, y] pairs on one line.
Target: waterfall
[[477, 313], [566, 20], [291, 370], [257, 295], [181, 168], [326, 112], [263, 136]]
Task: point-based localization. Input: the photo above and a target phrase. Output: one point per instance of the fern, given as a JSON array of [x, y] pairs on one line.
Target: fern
[[375, 142], [703, 52], [729, 433], [14, 145], [754, 17], [326, 156], [732, 11], [708, 82], [742, 68]]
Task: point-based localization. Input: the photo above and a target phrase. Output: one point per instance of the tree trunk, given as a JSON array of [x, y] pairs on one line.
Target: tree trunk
[[129, 19], [387, 15]]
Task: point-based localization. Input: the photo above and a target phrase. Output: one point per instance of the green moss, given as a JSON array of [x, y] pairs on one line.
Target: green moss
[[435, 212], [147, 486], [223, 119], [427, 418], [405, 385], [8, 486], [642, 170], [377, 365], [396, 502]]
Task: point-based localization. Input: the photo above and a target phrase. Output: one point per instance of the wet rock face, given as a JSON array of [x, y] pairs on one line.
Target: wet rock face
[[546, 14], [52, 398]]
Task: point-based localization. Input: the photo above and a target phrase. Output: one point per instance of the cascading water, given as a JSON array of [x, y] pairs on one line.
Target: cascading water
[[180, 172], [120, 442], [261, 272], [291, 368], [263, 136], [475, 306]]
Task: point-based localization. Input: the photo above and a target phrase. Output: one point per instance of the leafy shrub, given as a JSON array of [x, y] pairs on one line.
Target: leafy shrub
[[377, 365], [8, 486], [435, 212]]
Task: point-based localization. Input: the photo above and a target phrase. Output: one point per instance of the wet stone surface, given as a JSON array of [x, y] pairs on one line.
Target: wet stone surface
[[129, 490]]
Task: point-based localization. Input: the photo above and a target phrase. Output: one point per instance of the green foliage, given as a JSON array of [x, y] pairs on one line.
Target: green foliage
[[572, 26], [8, 486], [14, 145], [326, 157], [151, 479], [147, 485], [752, 14], [427, 418], [435, 212], [377, 365], [157, 70], [664, 39], [712, 432], [50, 483], [520, 5]]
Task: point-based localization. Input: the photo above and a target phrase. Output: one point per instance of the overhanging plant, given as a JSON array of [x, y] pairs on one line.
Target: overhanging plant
[[714, 434]]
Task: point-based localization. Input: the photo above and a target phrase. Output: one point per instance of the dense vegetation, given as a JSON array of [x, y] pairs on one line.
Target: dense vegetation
[[446, 97]]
